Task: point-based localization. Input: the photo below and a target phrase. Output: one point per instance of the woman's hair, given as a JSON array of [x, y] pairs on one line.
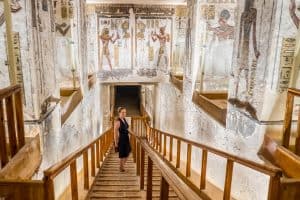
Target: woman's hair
[[120, 109]]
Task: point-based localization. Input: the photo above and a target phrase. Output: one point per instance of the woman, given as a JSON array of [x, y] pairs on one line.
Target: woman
[[121, 137]]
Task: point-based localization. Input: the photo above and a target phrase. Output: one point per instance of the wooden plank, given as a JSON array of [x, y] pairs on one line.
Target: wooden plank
[[11, 123], [93, 170], [203, 170], [288, 120], [149, 179], [73, 175], [142, 177], [3, 150], [20, 118], [171, 149], [178, 154], [228, 180], [188, 162], [86, 170]]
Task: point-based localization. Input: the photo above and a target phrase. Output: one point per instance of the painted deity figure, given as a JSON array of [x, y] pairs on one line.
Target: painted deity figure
[[218, 61], [163, 38], [248, 25], [106, 38]]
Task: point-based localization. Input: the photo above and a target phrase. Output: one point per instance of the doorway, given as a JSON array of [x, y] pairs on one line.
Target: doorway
[[128, 97]]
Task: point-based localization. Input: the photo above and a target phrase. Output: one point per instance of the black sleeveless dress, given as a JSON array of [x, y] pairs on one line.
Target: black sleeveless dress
[[124, 145]]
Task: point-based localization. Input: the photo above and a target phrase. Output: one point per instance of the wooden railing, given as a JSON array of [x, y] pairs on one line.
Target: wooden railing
[[44, 189], [11, 110], [158, 140], [292, 93], [141, 151], [98, 148]]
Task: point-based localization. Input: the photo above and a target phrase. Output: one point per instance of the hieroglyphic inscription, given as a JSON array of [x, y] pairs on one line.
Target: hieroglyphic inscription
[[286, 63], [208, 12]]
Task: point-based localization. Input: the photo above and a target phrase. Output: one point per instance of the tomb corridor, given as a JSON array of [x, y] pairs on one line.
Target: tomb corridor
[[209, 90]]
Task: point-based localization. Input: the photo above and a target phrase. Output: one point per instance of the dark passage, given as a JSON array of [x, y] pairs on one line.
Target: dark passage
[[129, 97]]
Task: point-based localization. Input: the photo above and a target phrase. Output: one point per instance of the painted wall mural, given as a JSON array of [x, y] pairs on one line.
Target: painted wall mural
[[216, 45], [114, 43], [153, 40]]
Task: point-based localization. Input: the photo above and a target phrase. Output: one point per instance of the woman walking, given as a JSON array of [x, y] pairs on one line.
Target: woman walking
[[121, 137]]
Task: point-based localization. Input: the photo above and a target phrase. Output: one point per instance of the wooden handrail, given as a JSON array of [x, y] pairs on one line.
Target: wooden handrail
[[11, 108], [154, 137], [169, 177]]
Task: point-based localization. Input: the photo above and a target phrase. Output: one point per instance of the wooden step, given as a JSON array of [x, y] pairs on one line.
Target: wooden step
[[111, 184]]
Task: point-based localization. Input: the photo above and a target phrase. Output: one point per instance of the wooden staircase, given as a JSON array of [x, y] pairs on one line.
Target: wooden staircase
[[112, 184]]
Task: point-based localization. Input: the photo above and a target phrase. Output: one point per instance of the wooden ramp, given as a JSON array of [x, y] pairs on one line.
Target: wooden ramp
[[112, 184]]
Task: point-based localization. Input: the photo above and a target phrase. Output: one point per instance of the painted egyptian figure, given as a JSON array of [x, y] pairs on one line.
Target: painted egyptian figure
[[163, 38], [248, 25], [218, 61], [106, 38]]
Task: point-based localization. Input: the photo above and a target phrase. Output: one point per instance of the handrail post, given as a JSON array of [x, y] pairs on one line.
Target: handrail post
[[3, 149], [171, 149], [160, 142], [73, 175], [138, 158], [288, 120], [93, 170], [149, 179], [49, 188], [97, 154], [165, 145], [188, 162], [203, 170], [10, 108], [274, 187], [297, 145], [86, 170], [178, 154], [20, 119], [164, 189], [142, 176], [228, 180]]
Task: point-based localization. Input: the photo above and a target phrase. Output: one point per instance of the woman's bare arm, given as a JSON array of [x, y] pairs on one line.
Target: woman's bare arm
[[116, 132]]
